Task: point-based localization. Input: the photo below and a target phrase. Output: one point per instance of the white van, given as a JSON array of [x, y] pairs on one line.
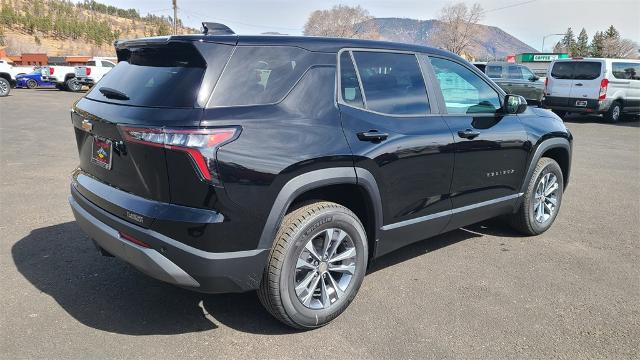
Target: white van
[[600, 86]]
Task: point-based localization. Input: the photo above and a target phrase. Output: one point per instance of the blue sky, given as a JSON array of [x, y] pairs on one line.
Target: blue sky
[[527, 20]]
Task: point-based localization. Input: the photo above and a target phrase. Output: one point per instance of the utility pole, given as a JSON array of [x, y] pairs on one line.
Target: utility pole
[[175, 17]]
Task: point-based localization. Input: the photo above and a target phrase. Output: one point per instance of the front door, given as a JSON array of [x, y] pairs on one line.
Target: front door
[[395, 134], [491, 147]]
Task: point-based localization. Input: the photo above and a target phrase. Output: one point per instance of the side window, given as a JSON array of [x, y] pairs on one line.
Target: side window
[[627, 71], [494, 71], [259, 75], [514, 72], [350, 88], [526, 73], [107, 64], [91, 63], [464, 92], [392, 83]]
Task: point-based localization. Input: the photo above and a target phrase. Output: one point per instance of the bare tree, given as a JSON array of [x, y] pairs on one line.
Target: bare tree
[[342, 21], [456, 25], [619, 48]]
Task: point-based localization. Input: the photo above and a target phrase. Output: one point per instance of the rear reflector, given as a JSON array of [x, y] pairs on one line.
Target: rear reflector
[[200, 144], [130, 238]]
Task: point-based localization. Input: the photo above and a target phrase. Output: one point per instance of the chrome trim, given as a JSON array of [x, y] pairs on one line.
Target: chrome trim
[[450, 212]]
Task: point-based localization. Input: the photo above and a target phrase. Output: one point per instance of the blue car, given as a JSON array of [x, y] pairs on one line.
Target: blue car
[[32, 80]]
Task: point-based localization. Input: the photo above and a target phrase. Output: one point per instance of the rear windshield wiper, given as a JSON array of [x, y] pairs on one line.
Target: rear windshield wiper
[[113, 93]]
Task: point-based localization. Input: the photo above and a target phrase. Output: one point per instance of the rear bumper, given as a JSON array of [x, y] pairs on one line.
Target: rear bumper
[[569, 104], [167, 259], [86, 81]]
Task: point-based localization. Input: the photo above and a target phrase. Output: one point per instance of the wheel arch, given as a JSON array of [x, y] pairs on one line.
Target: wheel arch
[[5, 76], [557, 148], [355, 189]]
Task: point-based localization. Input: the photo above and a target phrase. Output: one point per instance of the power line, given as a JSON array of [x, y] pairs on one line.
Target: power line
[[510, 6]]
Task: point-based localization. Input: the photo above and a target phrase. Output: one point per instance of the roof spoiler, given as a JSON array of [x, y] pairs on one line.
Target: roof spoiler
[[211, 28]]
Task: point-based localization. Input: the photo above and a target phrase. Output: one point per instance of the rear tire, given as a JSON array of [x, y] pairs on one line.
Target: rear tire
[[32, 84], [614, 113], [5, 87], [542, 199], [73, 85], [308, 281]]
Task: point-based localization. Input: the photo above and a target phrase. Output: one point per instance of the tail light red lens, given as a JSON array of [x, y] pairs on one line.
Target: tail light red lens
[[51, 70], [200, 144], [130, 238], [604, 84], [88, 70]]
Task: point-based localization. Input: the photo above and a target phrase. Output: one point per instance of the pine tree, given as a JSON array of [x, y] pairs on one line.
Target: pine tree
[[597, 44], [612, 33], [582, 45], [568, 42]]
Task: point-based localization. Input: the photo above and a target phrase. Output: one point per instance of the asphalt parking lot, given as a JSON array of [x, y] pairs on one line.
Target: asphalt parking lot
[[479, 292]]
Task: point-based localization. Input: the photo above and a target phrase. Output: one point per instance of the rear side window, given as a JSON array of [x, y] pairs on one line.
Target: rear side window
[[627, 71], [259, 75], [587, 70], [494, 71], [349, 86], [392, 83], [155, 76], [562, 70]]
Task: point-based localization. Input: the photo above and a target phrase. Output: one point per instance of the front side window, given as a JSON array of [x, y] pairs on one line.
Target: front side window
[[464, 92], [515, 73], [627, 71], [527, 74], [259, 75], [107, 64], [349, 86], [392, 83]]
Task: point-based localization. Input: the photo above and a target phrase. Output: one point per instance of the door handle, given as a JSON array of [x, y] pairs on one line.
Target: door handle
[[372, 135], [578, 84], [468, 134]]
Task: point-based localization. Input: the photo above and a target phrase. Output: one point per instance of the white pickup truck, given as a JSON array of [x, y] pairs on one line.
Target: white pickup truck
[[8, 74], [94, 71], [63, 76]]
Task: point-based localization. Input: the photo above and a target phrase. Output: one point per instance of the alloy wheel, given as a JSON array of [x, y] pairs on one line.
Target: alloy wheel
[[615, 113], [325, 269], [4, 88], [546, 198]]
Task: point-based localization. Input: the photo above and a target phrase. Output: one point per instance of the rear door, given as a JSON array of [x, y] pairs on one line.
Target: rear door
[[153, 86], [586, 80], [560, 80], [626, 80], [395, 133]]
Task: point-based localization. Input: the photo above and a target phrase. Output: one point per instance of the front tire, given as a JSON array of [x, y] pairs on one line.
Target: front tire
[[32, 84], [560, 113], [542, 199], [316, 265]]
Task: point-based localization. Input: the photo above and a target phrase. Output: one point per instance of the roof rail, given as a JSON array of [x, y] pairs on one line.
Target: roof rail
[[211, 28]]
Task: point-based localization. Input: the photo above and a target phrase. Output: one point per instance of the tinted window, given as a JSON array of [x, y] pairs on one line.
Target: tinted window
[[107, 64], [350, 87], [585, 70], [91, 63], [481, 67], [494, 71], [562, 70], [158, 76], [464, 92], [260, 75], [515, 72], [392, 83], [630, 71]]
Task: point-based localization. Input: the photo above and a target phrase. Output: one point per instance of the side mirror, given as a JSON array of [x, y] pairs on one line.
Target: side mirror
[[534, 78], [514, 104]]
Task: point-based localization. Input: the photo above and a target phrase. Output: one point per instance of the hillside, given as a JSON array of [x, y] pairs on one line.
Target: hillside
[[492, 43], [60, 27]]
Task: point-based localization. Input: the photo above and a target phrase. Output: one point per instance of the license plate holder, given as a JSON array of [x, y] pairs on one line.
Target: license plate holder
[[581, 103], [101, 151]]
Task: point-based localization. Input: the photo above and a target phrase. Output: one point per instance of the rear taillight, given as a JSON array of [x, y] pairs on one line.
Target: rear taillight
[[88, 70], [51, 71], [199, 144], [604, 84]]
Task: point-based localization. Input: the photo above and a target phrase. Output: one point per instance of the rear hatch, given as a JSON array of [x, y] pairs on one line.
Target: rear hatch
[[121, 124], [84, 71], [587, 75], [560, 80]]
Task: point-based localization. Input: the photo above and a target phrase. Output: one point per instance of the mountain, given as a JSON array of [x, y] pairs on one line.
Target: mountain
[[490, 42], [62, 27]]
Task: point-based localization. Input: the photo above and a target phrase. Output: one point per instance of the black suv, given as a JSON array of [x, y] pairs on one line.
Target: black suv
[[224, 163]]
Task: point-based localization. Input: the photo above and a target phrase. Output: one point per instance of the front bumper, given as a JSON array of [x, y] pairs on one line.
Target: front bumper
[[167, 259]]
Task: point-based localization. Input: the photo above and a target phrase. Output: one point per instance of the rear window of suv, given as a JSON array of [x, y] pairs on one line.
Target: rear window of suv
[[579, 70], [155, 76]]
